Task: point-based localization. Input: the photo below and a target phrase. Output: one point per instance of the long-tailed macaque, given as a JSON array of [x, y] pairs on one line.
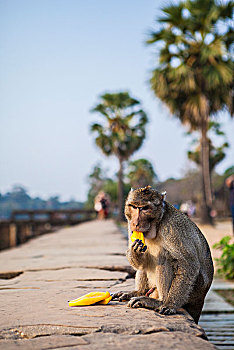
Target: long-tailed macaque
[[176, 269]]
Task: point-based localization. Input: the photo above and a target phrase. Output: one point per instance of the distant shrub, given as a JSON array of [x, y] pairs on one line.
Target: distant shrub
[[226, 261]]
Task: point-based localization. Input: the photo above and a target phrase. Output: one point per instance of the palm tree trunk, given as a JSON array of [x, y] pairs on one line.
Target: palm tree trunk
[[120, 191], [205, 174]]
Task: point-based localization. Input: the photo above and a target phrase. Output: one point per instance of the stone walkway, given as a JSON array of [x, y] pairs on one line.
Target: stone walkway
[[214, 303], [215, 233], [217, 318], [39, 277]]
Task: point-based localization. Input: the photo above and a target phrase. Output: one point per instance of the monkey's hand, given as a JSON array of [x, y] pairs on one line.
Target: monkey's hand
[[138, 246], [123, 296], [144, 302], [136, 254], [166, 310]]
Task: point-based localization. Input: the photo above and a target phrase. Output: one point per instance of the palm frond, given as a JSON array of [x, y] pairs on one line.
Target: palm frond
[[123, 129], [96, 127], [200, 84]]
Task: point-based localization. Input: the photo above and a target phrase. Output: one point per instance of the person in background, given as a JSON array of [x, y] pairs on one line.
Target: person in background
[[184, 208], [230, 184], [188, 208], [191, 209], [101, 205]]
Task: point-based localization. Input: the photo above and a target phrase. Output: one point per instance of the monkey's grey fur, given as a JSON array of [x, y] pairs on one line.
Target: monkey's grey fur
[[176, 269]]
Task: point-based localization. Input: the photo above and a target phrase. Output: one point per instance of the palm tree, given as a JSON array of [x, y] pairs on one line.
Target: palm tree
[[216, 154], [122, 131], [194, 73], [141, 173]]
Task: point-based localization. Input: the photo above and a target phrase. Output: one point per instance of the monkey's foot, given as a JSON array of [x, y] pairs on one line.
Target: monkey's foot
[[165, 310], [145, 302], [123, 296]]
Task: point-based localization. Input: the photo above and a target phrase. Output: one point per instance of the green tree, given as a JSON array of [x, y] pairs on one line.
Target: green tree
[[193, 76], [111, 187], [141, 173], [229, 171], [216, 153], [226, 261], [96, 181], [121, 132]]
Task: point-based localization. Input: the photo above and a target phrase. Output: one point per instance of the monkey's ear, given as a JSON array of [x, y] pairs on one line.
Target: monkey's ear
[[132, 189], [164, 195]]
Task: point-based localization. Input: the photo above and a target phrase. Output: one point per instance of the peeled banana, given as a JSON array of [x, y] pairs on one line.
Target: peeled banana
[[105, 301], [91, 298], [138, 235]]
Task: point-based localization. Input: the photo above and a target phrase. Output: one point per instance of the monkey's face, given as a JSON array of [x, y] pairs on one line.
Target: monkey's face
[[143, 209]]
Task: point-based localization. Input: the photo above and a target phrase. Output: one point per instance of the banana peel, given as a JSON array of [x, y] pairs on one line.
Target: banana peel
[[92, 298], [138, 235]]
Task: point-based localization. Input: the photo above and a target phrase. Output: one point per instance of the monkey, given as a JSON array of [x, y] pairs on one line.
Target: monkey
[[175, 269]]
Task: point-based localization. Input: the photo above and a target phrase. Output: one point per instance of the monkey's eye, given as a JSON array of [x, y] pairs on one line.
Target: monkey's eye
[[133, 206], [145, 207]]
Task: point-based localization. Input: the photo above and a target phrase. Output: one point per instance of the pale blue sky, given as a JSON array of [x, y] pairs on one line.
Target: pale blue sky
[[57, 57]]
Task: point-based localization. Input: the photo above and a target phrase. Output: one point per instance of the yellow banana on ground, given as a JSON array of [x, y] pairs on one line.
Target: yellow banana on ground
[[105, 301], [91, 298], [137, 235]]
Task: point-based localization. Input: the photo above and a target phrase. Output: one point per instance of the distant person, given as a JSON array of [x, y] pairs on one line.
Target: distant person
[[188, 208], [230, 184], [184, 208], [191, 209], [101, 205]]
